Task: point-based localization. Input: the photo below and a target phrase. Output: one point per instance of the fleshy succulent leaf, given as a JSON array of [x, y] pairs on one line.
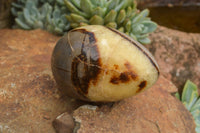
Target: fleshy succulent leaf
[[133, 36], [113, 4], [27, 17], [137, 28], [197, 121], [101, 3], [128, 26], [121, 5], [76, 3], [47, 9], [73, 9], [86, 6], [125, 21], [96, 20], [77, 18], [56, 15], [99, 11], [110, 17], [74, 25], [17, 6], [150, 26], [22, 25], [191, 99], [190, 94], [196, 106], [121, 29], [30, 4], [94, 2], [141, 36], [129, 11], [177, 95], [83, 24], [69, 18], [60, 2], [144, 40], [197, 129], [195, 113], [121, 16], [112, 25], [141, 16]]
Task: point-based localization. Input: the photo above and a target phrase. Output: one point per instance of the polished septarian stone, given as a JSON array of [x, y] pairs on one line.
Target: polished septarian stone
[[96, 63]]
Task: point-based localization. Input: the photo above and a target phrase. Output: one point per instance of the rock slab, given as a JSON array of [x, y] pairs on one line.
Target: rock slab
[[153, 111], [29, 100], [177, 54]]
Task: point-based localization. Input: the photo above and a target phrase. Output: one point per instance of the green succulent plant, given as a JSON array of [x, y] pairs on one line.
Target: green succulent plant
[[58, 16], [119, 14], [48, 15], [191, 99]]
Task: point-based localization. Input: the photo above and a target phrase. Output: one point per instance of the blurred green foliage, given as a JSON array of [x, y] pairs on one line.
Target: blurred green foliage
[[44, 14]]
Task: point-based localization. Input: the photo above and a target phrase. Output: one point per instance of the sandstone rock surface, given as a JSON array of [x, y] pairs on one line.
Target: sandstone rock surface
[[29, 100], [153, 111], [178, 55]]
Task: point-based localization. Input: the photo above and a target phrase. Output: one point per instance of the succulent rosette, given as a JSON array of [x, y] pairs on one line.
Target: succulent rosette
[[119, 14]]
